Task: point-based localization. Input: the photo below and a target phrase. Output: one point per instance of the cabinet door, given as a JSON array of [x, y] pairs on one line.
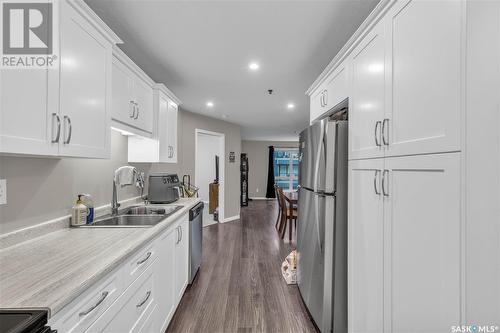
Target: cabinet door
[[182, 258], [27, 125], [163, 128], [85, 78], [164, 277], [317, 104], [422, 217], [122, 99], [172, 131], [144, 109], [365, 239], [367, 96], [426, 62], [336, 88]]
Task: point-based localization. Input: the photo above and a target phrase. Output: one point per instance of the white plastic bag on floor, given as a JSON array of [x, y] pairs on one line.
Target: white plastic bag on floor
[[289, 268]]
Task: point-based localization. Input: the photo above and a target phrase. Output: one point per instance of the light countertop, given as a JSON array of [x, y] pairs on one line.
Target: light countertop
[[52, 270]]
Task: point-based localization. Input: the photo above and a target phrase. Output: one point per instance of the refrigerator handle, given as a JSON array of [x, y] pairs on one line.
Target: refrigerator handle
[[318, 155], [316, 204]]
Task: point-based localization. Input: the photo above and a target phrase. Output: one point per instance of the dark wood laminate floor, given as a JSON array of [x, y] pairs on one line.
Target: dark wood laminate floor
[[239, 287]]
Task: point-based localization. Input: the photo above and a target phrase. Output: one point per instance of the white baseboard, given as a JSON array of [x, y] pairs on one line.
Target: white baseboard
[[229, 219]]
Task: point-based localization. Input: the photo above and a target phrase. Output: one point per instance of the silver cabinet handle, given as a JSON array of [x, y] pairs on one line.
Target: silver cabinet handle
[[133, 110], [137, 113], [89, 310], [182, 234], [177, 240], [384, 140], [377, 133], [58, 135], [376, 179], [322, 99], [384, 190], [325, 93], [144, 300], [144, 259], [68, 120]]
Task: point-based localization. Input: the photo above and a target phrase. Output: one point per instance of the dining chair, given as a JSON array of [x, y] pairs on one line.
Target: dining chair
[[288, 214], [276, 188]]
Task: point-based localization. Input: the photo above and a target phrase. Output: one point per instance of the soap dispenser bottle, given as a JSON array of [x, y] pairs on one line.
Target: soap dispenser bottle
[[79, 216]]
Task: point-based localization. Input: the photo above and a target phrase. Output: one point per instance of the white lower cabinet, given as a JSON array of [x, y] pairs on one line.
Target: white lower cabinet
[[139, 296], [164, 278], [404, 236], [366, 246], [131, 309], [181, 269]]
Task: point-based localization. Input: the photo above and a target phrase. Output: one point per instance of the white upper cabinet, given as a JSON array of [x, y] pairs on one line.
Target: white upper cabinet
[[85, 80], [63, 110], [132, 96], [367, 96], [172, 116], [333, 91], [162, 147], [426, 70], [28, 125], [144, 105]]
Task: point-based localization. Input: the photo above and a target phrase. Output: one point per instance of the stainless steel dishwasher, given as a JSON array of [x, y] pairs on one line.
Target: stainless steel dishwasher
[[195, 239]]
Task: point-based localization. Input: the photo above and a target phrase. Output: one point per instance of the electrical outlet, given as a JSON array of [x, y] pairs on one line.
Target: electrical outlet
[[3, 191]]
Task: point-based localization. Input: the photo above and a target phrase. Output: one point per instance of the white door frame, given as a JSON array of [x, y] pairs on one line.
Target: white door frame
[[222, 165]]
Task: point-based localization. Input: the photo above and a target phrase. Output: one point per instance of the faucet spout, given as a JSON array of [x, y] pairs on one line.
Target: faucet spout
[[125, 175], [114, 201]]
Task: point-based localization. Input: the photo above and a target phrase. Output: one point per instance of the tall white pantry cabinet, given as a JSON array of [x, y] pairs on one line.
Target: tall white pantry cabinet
[[424, 162]]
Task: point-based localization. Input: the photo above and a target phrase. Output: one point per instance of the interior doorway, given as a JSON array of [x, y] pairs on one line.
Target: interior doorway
[[208, 146]]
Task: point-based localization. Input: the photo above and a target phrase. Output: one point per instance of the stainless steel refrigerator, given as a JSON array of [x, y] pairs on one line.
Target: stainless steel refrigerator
[[322, 224]]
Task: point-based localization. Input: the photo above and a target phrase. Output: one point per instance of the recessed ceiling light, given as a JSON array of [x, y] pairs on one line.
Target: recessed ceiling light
[[210, 104], [253, 66], [290, 106]]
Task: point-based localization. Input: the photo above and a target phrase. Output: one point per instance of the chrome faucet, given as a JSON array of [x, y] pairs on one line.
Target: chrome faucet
[[125, 175]]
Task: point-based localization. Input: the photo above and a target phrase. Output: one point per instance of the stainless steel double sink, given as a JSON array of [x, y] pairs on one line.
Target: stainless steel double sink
[[135, 216]]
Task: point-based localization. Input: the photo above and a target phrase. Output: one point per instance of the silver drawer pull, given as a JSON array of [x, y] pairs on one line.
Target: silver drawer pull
[[58, 127], [375, 182], [103, 297], [377, 133], [145, 259], [145, 299], [385, 191]]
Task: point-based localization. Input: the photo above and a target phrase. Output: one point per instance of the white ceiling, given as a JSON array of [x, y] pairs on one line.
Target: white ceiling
[[201, 50]]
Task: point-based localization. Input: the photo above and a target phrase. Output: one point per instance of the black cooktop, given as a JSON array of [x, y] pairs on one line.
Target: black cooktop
[[23, 321]]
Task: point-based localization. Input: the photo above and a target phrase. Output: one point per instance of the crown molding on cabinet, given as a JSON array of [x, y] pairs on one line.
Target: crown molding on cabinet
[[377, 13], [161, 87], [119, 55], [83, 9]]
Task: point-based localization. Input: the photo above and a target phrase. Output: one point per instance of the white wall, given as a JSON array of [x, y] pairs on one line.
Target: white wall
[[258, 159], [207, 148], [41, 189], [188, 123]]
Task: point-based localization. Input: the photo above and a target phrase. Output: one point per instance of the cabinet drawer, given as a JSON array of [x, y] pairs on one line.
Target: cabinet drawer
[[85, 310], [130, 311], [138, 264]]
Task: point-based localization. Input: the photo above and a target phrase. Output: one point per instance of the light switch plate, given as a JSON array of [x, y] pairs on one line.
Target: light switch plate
[[3, 191]]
